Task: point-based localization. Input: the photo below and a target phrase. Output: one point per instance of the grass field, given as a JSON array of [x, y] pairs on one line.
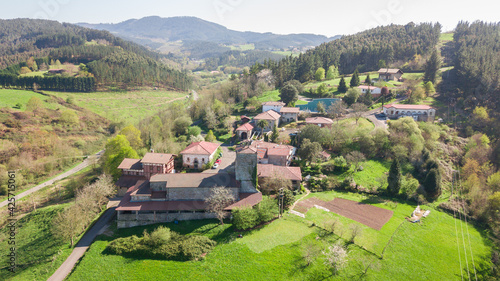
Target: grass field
[[9, 98], [38, 253], [129, 107], [242, 47], [444, 37], [424, 251], [363, 124]]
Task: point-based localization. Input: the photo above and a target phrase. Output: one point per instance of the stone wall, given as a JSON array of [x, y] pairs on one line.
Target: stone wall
[[131, 220], [245, 166]]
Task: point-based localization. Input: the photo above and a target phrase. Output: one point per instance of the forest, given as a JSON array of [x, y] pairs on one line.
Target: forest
[[366, 51], [111, 60]]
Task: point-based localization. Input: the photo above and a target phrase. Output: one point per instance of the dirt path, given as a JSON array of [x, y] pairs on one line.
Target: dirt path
[[76, 169], [304, 196], [65, 269]]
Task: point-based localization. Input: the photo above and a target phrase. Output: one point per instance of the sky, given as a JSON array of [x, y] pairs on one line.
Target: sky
[[325, 17]]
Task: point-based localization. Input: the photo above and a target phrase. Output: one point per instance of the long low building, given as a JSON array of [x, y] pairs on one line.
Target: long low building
[[418, 112]]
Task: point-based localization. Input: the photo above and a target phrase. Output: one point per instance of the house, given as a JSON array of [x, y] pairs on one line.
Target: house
[[289, 114], [170, 197], [266, 171], [390, 74], [272, 105], [270, 153], [375, 91], [245, 119], [244, 131], [198, 154], [417, 111], [324, 156], [320, 121], [272, 118]]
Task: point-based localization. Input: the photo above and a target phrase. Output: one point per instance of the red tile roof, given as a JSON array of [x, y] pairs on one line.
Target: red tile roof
[[157, 158], [289, 110], [286, 172], [278, 151], [409, 106], [278, 103], [246, 199], [128, 181], [130, 164], [389, 71], [247, 150], [268, 115], [202, 147], [195, 180], [245, 127], [319, 120]]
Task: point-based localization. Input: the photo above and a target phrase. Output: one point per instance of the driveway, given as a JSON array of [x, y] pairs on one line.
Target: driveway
[[227, 161]]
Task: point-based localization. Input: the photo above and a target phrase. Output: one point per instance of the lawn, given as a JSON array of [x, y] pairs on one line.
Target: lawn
[[9, 98], [363, 124], [422, 251], [38, 253], [273, 95], [129, 107]]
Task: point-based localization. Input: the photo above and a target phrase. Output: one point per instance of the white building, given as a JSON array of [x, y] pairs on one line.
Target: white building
[[373, 90], [417, 111], [198, 154], [272, 105]]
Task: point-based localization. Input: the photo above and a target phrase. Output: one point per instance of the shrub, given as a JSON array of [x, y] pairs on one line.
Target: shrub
[[267, 209], [245, 218], [288, 199], [125, 245], [194, 246], [158, 237]]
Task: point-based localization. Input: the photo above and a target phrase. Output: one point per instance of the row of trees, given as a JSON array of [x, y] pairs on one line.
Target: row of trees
[[55, 83]]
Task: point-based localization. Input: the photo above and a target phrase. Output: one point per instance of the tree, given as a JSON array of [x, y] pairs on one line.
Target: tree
[[133, 136], [322, 90], [117, 149], [245, 217], [432, 184], [296, 84], [288, 199], [342, 85], [210, 118], [337, 109], [194, 131], [394, 178], [382, 64], [34, 105], [274, 183], [429, 88], [366, 98], [210, 136], [355, 79], [275, 135], [354, 157], [267, 209], [351, 96], [320, 74], [69, 118], [431, 67], [262, 124], [289, 94], [332, 72], [309, 151], [357, 110], [320, 107], [220, 197], [368, 80], [336, 258], [182, 124]]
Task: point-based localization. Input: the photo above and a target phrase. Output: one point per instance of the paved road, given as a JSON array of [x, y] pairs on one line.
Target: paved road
[[227, 161], [65, 269], [76, 169]]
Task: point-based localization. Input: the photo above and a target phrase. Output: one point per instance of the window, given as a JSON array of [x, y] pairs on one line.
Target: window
[[203, 160], [188, 159]]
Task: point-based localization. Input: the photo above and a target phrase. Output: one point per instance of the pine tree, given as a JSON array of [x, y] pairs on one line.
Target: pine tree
[[368, 80], [432, 184], [342, 86], [355, 79], [431, 67], [394, 179]]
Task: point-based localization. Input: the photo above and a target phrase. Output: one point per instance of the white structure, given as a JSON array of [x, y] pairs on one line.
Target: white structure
[[198, 154], [417, 111], [373, 90], [272, 105]]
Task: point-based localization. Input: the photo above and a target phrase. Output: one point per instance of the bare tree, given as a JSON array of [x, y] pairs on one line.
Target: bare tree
[[337, 109], [218, 200], [336, 258], [274, 183], [357, 110], [354, 157], [310, 253], [356, 231]]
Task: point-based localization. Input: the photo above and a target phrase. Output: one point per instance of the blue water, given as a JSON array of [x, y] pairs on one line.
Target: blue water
[[311, 106]]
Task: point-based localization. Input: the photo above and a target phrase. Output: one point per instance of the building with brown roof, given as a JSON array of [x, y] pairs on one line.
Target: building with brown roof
[[267, 171], [320, 121], [271, 117], [418, 112], [244, 131], [289, 114], [270, 153], [198, 154], [390, 74], [150, 164]]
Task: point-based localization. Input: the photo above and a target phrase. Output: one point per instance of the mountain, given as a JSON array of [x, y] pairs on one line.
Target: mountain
[[152, 31], [29, 46]]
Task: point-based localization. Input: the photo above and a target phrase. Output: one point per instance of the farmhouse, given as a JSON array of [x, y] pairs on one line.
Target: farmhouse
[[267, 171], [289, 114], [375, 91], [390, 74], [418, 112], [269, 153], [244, 131], [198, 154], [272, 105], [169, 197], [272, 118], [320, 121]]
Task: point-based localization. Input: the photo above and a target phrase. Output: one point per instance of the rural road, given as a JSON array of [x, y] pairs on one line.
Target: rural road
[[76, 169], [65, 269]]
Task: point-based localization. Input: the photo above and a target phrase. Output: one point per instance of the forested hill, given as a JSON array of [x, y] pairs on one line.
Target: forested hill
[[366, 51], [151, 29], [108, 60]]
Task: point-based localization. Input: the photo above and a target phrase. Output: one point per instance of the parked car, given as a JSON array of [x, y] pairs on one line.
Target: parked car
[[218, 161], [215, 166]]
